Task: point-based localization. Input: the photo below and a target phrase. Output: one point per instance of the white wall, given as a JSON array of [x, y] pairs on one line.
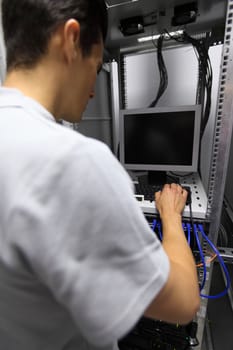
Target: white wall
[[142, 78]]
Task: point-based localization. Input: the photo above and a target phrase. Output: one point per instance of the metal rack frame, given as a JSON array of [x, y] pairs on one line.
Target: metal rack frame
[[220, 153]]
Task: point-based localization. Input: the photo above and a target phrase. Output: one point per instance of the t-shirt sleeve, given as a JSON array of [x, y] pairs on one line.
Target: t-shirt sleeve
[[85, 236]]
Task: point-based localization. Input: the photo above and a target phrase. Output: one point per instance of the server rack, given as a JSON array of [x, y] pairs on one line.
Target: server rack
[[218, 164]]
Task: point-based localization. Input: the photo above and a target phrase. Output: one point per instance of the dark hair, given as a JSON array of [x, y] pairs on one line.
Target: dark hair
[[29, 24]]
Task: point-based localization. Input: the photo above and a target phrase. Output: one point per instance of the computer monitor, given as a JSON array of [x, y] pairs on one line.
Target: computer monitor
[[160, 139]]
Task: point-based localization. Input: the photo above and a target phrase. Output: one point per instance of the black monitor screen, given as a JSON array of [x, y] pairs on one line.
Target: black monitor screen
[[160, 139]]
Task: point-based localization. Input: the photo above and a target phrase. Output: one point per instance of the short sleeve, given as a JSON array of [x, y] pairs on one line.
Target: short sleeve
[[85, 236]]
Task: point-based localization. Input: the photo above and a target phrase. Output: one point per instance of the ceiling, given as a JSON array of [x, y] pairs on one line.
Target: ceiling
[[153, 16]]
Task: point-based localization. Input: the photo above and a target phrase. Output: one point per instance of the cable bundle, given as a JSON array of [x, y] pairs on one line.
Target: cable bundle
[[198, 229], [205, 70], [220, 259], [162, 71]]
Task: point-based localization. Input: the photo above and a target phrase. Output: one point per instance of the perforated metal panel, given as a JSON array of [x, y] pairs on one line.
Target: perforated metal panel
[[223, 129], [221, 150]]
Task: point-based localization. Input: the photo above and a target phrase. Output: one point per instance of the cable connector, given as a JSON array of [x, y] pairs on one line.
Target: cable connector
[[189, 197]]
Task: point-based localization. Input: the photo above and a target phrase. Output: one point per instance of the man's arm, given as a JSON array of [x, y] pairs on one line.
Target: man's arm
[[179, 299]]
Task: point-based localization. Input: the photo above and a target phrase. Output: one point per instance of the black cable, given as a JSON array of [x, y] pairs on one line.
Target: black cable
[[162, 71], [205, 69], [192, 238]]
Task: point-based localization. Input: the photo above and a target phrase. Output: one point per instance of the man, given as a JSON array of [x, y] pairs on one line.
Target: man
[[79, 264]]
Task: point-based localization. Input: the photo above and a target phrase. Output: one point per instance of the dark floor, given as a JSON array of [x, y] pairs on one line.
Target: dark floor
[[150, 335], [220, 314]]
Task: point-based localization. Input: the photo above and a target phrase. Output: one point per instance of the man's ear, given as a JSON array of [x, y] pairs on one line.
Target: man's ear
[[71, 32]]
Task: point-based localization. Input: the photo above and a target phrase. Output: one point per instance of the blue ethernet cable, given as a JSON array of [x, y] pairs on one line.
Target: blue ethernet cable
[[224, 292], [186, 229], [160, 231], [189, 232], [184, 226], [201, 255], [154, 225]]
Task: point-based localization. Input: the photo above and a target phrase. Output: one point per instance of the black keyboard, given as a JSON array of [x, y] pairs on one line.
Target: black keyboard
[[148, 191]]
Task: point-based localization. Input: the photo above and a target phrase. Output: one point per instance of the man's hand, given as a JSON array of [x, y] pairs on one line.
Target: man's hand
[[171, 200]]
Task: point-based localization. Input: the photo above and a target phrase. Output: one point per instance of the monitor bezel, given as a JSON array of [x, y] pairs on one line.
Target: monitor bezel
[[193, 167]]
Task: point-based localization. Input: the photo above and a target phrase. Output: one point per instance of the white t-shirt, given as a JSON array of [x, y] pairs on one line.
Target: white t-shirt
[[79, 263]]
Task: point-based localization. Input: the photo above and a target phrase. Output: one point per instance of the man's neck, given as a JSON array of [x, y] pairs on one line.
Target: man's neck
[[37, 84]]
